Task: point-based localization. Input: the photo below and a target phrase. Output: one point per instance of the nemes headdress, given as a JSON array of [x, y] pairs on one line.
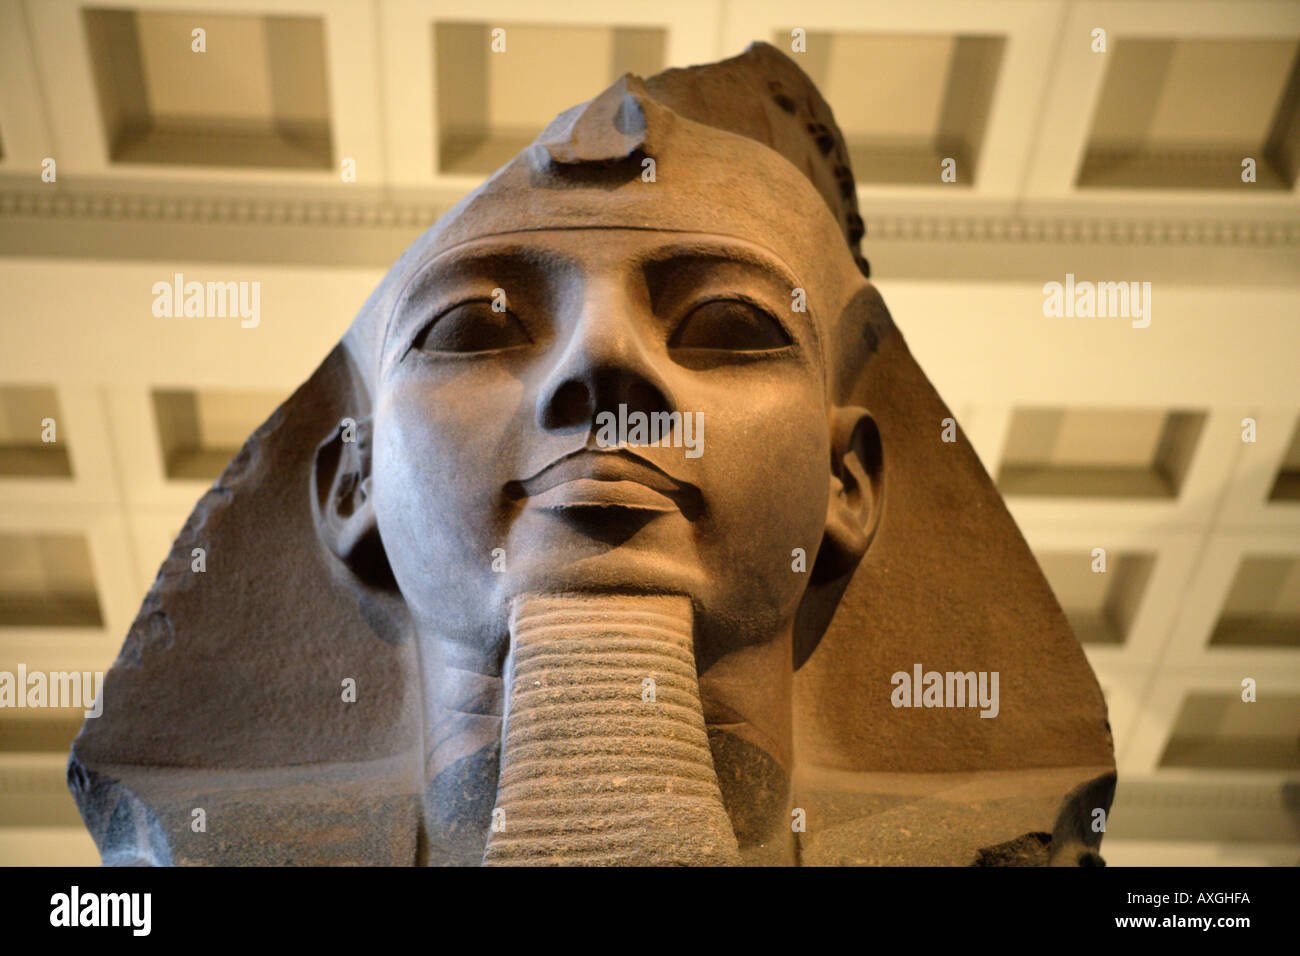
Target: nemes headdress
[[226, 694]]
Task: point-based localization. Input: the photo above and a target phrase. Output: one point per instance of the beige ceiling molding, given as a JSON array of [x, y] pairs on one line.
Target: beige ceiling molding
[[1085, 230], [414, 214], [216, 211]]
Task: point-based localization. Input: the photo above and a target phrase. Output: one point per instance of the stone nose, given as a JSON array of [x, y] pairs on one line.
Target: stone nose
[[605, 363]]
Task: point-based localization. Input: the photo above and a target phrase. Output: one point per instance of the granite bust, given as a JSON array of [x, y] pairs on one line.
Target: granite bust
[[617, 529]]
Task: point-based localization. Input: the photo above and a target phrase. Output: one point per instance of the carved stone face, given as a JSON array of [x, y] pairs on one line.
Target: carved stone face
[[607, 631], [486, 429]]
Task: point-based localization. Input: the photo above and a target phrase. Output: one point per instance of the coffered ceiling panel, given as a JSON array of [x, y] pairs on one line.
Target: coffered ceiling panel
[[256, 94]]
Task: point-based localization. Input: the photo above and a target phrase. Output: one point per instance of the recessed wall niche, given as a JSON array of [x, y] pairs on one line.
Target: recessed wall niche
[[201, 430], [1286, 487], [1098, 452], [1220, 731], [46, 580], [490, 105], [24, 453], [905, 102], [1185, 113], [257, 97], [1100, 606], [1262, 608]]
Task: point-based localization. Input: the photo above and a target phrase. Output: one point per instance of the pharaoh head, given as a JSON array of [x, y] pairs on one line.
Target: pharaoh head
[[617, 491]]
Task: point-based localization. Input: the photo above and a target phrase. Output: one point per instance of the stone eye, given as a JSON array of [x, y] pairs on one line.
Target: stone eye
[[731, 325], [472, 327]]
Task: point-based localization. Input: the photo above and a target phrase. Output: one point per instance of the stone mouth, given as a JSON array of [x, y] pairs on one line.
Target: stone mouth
[[620, 478], [602, 493]]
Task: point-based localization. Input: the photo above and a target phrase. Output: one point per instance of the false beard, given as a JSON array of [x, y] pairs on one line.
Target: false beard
[[605, 756]]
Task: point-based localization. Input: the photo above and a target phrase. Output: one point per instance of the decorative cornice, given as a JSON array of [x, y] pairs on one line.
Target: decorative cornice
[[416, 214], [207, 210], [1084, 231]]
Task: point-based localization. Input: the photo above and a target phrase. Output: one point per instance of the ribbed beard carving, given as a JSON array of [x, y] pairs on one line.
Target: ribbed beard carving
[[596, 769]]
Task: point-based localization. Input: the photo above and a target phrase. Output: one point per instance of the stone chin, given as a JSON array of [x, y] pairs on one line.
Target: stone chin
[[647, 573]]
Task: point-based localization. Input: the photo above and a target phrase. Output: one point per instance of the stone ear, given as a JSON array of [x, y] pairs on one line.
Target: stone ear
[[342, 504], [854, 508], [853, 512]]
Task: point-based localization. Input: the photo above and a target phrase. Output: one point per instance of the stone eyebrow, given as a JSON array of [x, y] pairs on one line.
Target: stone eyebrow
[[505, 258], [705, 252]]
